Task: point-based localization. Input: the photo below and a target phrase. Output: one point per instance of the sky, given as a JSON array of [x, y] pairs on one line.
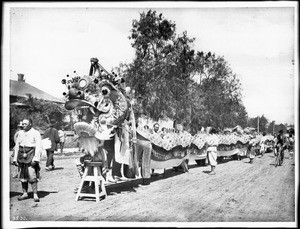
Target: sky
[[48, 41]]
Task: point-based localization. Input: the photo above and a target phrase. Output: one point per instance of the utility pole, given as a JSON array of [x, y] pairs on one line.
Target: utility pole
[[257, 124]]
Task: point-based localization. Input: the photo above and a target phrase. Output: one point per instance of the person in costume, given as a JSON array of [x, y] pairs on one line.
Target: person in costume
[[156, 127], [263, 145], [251, 148], [27, 158], [212, 150]]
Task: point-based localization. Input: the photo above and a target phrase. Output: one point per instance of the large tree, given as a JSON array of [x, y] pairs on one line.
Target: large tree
[[171, 80], [218, 92], [160, 70]]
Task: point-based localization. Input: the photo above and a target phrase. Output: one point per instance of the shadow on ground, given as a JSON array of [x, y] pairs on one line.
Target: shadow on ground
[[41, 194]]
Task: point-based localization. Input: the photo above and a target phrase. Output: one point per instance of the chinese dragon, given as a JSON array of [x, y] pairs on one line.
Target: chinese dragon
[[106, 113]]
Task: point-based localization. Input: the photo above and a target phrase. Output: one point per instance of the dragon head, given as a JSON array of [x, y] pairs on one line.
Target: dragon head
[[99, 101]]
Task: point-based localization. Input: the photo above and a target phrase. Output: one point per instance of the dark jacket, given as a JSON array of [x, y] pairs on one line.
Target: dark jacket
[[52, 134]]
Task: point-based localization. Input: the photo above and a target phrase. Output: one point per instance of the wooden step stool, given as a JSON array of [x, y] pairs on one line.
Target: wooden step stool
[[96, 177]]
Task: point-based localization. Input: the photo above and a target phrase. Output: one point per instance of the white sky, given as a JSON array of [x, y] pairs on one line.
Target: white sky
[[48, 43]]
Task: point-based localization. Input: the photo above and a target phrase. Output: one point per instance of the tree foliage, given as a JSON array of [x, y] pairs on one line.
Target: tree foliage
[[171, 80], [220, 92], [160, 68], [40, 111]]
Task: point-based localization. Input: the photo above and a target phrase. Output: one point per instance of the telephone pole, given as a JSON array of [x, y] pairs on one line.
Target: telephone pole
[[257, 124]]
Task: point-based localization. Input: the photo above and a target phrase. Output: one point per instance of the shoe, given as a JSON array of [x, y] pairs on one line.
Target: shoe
[[212, 173], [53, 167], [111, 180], [36, 198], [117, 178], [23, 197], [124, 179], [48, 169]]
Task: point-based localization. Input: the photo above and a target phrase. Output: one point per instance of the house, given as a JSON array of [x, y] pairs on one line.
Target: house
[[21, 89]]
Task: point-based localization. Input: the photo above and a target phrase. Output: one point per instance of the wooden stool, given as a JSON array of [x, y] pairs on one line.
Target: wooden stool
[[96, 177]]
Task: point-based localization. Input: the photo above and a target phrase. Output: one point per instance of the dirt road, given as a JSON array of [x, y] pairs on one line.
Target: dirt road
[[239, 192]]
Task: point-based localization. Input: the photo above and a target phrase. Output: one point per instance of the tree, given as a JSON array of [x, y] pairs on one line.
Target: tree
[[161, 67], [263, 121], [220, 92], [271, 128], [40, 111], [151, 34], [171, 80]]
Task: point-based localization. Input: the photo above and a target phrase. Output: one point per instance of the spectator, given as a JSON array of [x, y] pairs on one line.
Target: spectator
[[62, 138], [27, 157], [52, 134]]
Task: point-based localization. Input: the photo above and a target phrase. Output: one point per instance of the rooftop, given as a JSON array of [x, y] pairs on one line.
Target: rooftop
[[21, 89]]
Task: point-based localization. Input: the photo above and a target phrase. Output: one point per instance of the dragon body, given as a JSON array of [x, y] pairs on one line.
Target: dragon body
[[106, 113]]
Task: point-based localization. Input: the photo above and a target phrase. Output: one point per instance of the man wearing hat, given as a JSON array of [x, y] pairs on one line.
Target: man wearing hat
[[27, 157], [52, 134]]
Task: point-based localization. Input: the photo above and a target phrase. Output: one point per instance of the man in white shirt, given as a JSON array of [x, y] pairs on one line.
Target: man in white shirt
[[62, 138], [27, 157], [262, 143], [213, 142]]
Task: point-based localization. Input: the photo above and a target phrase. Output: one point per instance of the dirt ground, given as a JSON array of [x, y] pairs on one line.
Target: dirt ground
[[239, 192]]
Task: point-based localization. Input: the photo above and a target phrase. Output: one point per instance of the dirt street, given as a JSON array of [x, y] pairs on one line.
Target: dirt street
[[239, 192]]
